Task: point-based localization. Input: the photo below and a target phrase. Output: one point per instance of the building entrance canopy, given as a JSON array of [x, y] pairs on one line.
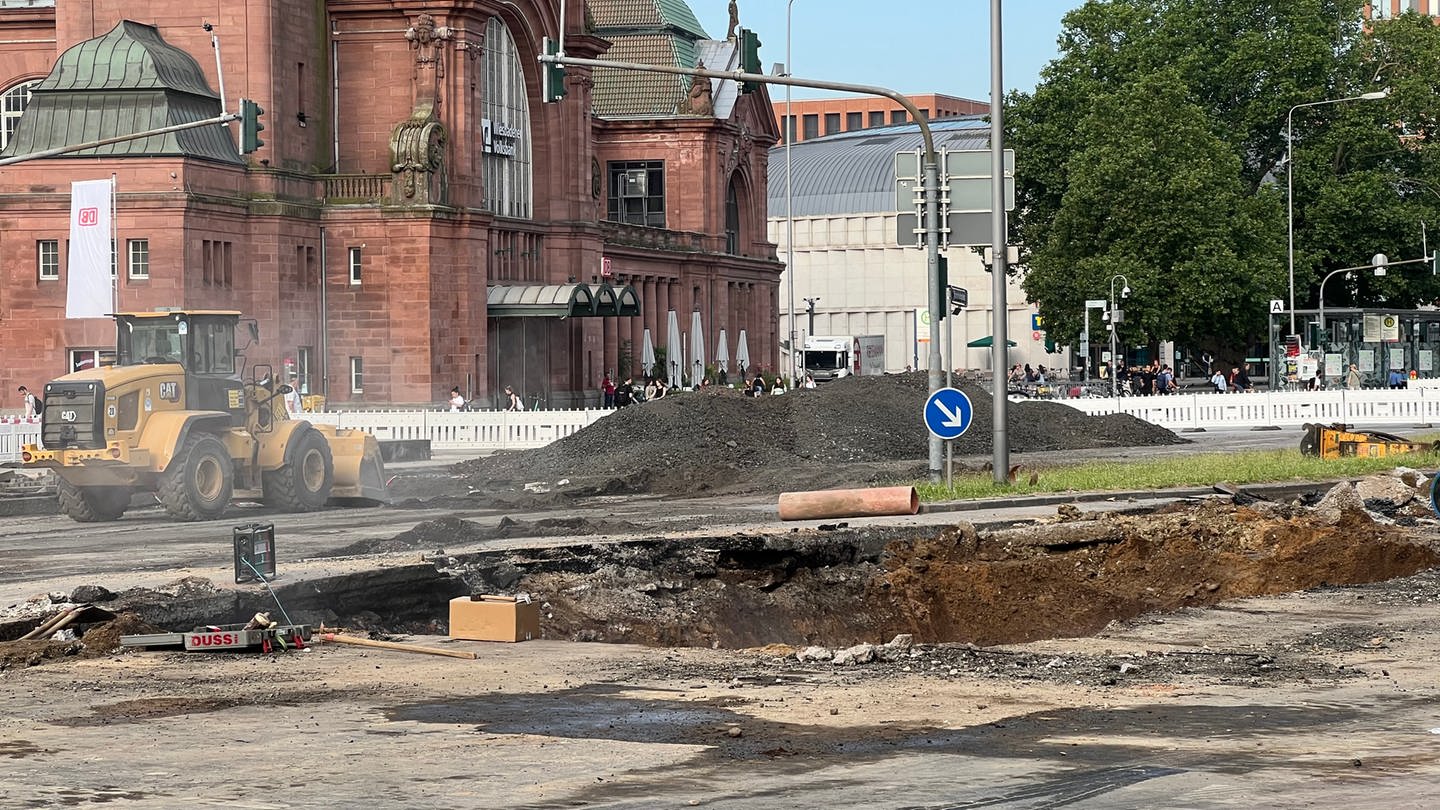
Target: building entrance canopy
[[562, 301]]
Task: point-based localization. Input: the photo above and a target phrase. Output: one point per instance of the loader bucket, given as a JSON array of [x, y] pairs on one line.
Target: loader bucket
[[359, 470]]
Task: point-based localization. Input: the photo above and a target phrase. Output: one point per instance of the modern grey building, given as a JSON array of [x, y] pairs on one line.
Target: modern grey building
[[843, 202]]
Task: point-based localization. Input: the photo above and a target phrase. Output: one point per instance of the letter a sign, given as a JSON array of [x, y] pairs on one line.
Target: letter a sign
[[1277, 306]]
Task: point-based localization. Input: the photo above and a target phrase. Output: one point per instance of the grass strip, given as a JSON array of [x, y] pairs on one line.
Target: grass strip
[[1205, 469]]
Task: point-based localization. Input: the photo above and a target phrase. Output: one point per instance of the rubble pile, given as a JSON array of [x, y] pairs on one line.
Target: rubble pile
[[718, 438]]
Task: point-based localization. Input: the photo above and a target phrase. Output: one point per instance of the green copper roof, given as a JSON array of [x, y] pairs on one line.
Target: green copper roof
[[129, 80], [652, 32]]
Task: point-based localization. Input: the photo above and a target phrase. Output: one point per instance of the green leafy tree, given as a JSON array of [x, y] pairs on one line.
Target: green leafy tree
[[1155, 147], [1156, 197]]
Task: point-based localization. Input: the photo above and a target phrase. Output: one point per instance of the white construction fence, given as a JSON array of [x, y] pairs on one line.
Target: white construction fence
[[478, 431], [482, 431], [1367, 407]]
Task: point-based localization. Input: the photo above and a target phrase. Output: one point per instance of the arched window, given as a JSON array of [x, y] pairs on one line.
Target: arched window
[[732, 220], [505, 127], [12, 104]]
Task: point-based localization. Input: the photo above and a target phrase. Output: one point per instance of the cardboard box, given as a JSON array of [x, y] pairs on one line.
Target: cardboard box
[[493, 618]]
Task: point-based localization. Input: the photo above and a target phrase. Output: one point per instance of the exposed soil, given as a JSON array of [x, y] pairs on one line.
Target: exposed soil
[[854, 430], [93, 641], [1067, 578]]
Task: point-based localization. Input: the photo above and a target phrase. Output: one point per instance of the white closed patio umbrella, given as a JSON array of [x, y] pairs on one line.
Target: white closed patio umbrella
[[697, 349], [742, 354], [674, 352], [722, 354], [647, 355]]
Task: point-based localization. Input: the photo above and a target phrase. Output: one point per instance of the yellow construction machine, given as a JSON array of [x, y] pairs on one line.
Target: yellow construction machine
[[1337, 441], [175, 416]]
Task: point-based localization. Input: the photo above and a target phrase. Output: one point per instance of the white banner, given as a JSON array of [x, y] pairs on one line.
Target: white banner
[[89, 290]]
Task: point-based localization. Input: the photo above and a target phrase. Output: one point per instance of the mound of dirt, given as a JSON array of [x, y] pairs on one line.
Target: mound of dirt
[[717, 438]]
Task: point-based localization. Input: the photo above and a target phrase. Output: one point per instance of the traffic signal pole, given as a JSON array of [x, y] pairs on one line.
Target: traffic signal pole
[[931, 186], [224, 118]]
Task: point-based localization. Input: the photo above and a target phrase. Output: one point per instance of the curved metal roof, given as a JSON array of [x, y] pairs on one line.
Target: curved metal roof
[[132, 56], [854, 172], [561, 301], [129, 80]]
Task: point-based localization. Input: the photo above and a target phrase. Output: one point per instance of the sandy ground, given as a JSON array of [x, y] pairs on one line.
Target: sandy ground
[[1194, 720], [1315, 699]]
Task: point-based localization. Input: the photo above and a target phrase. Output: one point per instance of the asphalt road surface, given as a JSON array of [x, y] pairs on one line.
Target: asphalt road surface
[[1321, 699]]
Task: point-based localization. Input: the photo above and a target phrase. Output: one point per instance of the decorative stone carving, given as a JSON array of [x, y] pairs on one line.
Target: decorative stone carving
[[417, 158], [700, 100], [426, 39], [595, 178], [734, 20]]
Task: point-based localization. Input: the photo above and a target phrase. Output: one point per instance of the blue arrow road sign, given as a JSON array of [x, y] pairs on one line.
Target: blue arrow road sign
[[948, 413]]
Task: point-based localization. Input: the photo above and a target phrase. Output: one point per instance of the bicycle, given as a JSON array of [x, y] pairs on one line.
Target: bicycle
[[536, 403]]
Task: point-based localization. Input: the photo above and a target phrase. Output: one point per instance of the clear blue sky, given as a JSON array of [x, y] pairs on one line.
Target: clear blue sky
[[913, 46]]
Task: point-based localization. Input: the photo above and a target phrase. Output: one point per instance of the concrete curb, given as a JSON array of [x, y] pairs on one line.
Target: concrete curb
[[1274, 492]]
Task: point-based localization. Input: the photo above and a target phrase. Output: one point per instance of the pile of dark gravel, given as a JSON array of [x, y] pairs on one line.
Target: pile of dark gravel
[[693, 441]]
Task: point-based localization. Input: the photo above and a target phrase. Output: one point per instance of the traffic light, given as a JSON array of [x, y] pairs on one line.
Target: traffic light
[[250, 126], [749, 57], [944, 283], [552, 76]]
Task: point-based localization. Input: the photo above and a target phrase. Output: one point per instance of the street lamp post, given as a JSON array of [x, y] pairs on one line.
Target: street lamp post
[[789, 214], [1290, 179], [1115, 317]]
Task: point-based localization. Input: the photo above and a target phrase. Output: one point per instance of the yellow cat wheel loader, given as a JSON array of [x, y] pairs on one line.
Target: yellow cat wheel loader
[[175, 416]]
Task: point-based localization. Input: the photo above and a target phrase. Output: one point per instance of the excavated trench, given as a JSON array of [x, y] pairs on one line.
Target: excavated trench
[[836, 586]]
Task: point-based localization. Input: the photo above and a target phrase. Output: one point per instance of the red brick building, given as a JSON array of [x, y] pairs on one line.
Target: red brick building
[[416, 218], [818, 117]]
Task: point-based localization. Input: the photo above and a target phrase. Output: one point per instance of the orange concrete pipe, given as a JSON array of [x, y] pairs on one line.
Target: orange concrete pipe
[[835, 503]]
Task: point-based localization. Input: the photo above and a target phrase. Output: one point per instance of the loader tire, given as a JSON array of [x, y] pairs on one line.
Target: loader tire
[[304, 483], [199, 481], [92, 504]]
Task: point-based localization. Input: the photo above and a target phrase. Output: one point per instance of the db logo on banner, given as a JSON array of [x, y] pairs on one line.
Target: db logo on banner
[[89, 216]]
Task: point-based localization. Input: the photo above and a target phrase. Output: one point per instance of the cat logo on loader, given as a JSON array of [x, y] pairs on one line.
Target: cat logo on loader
[[176, 416]]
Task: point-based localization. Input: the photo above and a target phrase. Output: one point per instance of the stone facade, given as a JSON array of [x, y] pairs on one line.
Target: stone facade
[[366, 232]]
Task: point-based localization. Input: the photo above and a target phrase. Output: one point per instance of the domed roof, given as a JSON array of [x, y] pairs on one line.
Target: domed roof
[[129, 80]]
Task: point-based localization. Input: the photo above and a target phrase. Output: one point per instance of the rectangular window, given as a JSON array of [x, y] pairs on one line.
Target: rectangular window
[[924, 114], [47, 259], [357, 373], [114, 258], [877, 118], [355, 265], [790, 128], [854, 121], [217, 268], [832, 123], [139, 261], [897, 116], [637, 193], [86, 359], [812, 126]]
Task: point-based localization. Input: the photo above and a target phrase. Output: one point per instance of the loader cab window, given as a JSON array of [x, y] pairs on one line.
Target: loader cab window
[[212, 346], [148, 341]]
